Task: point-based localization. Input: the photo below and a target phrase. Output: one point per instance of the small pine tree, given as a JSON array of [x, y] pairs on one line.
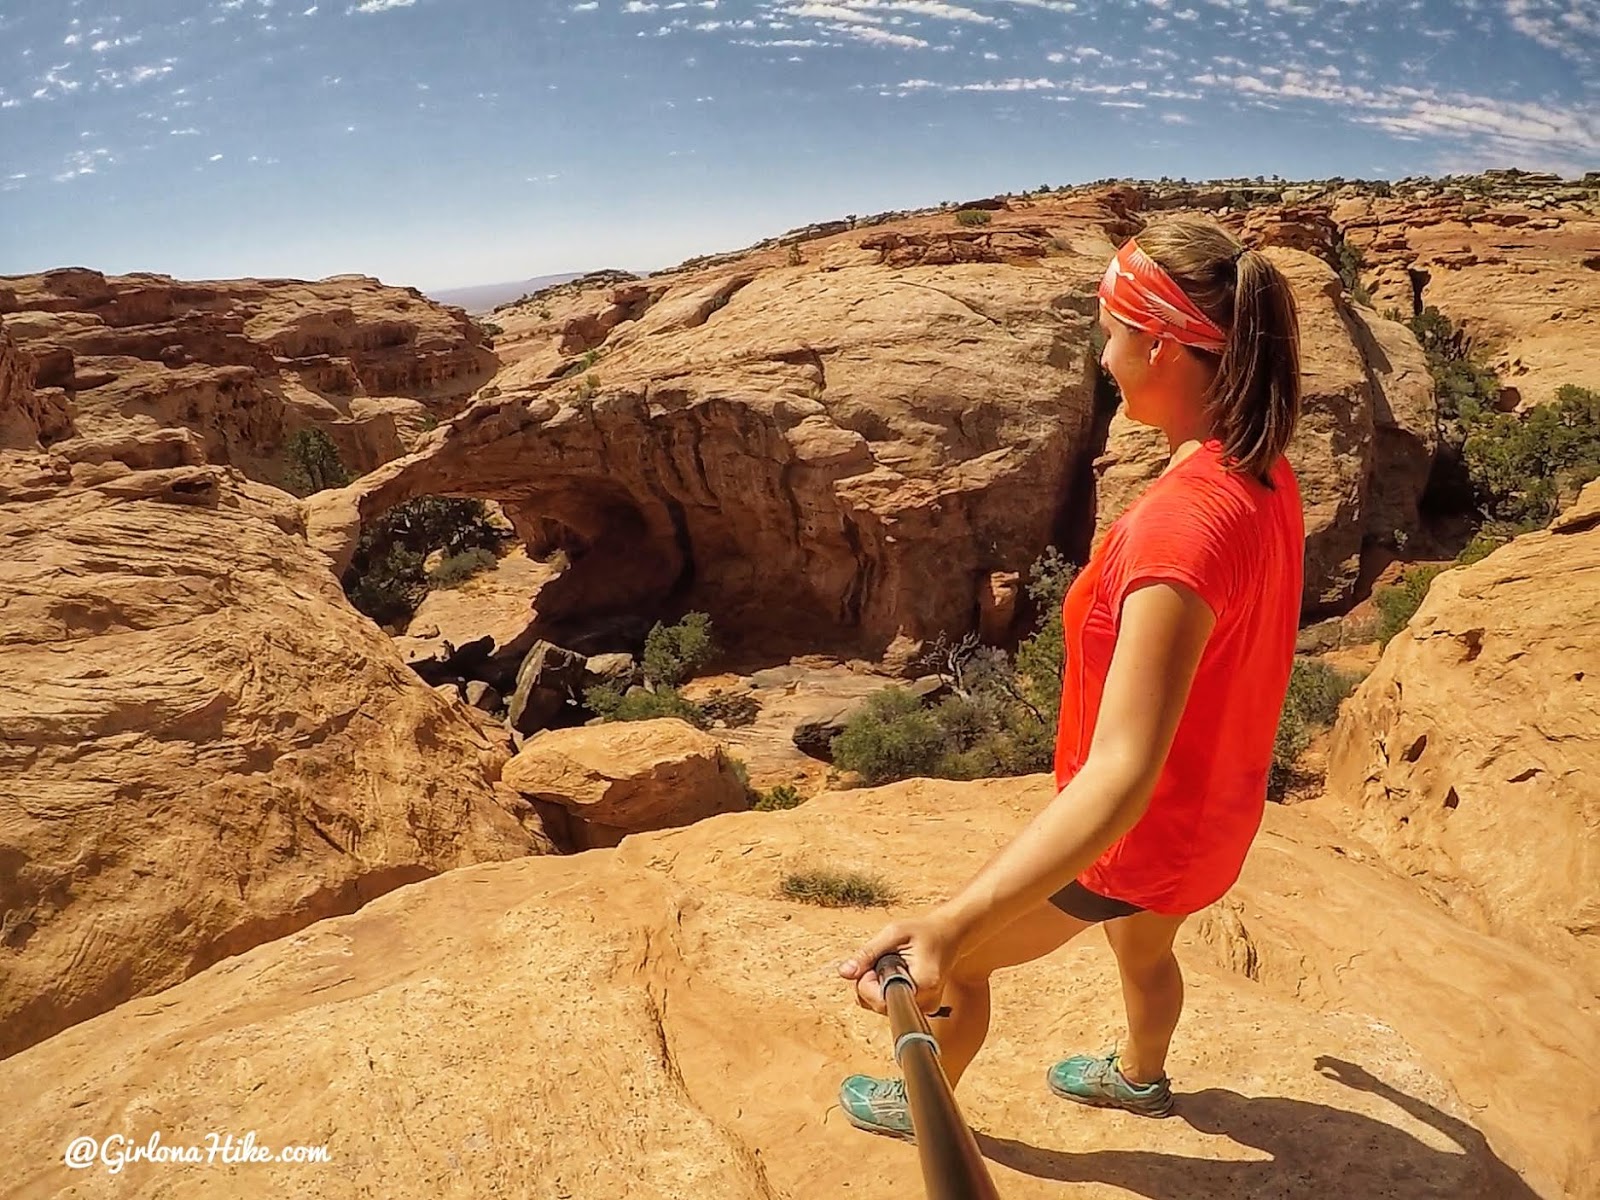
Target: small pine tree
[[672, 653], [313, 463]]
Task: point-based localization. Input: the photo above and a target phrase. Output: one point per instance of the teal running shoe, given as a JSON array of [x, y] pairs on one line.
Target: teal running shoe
[[877, 1105], [1097, 1081]]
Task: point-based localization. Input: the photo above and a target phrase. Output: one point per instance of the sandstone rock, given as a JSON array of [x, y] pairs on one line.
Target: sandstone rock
[[997, 606], [1364, 445], [1498, 275], [549, 679], [625, 777], [487, 1014], [617, 669], [498, 605], [481, 696], [245, 363], [844, 455], [205, 746], [27, 417], [1468, 757]]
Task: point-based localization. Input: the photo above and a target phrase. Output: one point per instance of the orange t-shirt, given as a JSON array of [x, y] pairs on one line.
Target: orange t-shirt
[[1241, 547]]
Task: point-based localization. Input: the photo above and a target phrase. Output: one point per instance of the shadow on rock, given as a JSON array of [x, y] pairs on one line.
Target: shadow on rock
[[1315, 1151]]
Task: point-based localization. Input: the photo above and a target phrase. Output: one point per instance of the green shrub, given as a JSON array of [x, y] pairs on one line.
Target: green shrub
[[458, 568], [386, 579], [1398, 603], [894, 737], [972, 216], [603, 700], [673, 653], [741, 772], [1000, 721], [837, 889], [776, 799], [313, 463], [388, 585], [1490, 537], [1040, 657], [491, 328], [1463, 388], [1523, 468], [1350, 265], [1312, 702], [642, 705]]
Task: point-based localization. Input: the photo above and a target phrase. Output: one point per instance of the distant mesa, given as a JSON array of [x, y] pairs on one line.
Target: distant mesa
[[486, 297]]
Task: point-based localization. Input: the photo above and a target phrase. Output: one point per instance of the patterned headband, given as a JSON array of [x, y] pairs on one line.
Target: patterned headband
[[1138, 292]]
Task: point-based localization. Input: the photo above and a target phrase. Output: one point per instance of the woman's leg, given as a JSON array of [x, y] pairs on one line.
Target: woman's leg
[[966, 992], [1152, 990]]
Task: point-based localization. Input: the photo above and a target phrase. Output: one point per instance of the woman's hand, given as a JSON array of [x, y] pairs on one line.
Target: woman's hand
[[927, 943]]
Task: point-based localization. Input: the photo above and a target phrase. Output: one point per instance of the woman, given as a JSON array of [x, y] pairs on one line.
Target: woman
[[1179, 642]]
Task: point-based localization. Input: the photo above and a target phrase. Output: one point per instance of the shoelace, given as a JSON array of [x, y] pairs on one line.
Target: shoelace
[[889, 1089]]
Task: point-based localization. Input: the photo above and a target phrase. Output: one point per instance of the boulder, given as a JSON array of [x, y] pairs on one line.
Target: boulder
[[625, 777], [617, 669], [481, 696], [550, 680]]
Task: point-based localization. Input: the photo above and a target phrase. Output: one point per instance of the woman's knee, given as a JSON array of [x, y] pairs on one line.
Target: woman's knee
[[1151, 970], [1143, 946]]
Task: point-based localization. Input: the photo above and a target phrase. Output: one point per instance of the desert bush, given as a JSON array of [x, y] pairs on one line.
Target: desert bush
[[972, 216], [1463, 388], [1350, 265], [1315, 692], [1524, 468], [672, 653], [1398, 603], [610, 703], [1491, 535], [837, 889], [386, 579], [1001, 719], [776, 799], [458, 568], [893, 737], [312, 463]]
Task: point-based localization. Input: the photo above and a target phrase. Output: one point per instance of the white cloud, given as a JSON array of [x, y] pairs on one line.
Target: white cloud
[[639, 6], [1570, 27], [1554, 133], [378, 6], [589, 7], [832, 12], [83, 162], [215, 158], [880, 37]]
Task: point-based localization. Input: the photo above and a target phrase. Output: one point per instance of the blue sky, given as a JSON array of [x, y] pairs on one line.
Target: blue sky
[[447, 142]]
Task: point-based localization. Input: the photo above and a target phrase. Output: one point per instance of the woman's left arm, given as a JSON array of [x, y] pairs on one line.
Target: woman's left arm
[[1160, 639]]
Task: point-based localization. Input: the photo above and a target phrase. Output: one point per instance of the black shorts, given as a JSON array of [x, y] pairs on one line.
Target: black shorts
[[1078, 901]]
